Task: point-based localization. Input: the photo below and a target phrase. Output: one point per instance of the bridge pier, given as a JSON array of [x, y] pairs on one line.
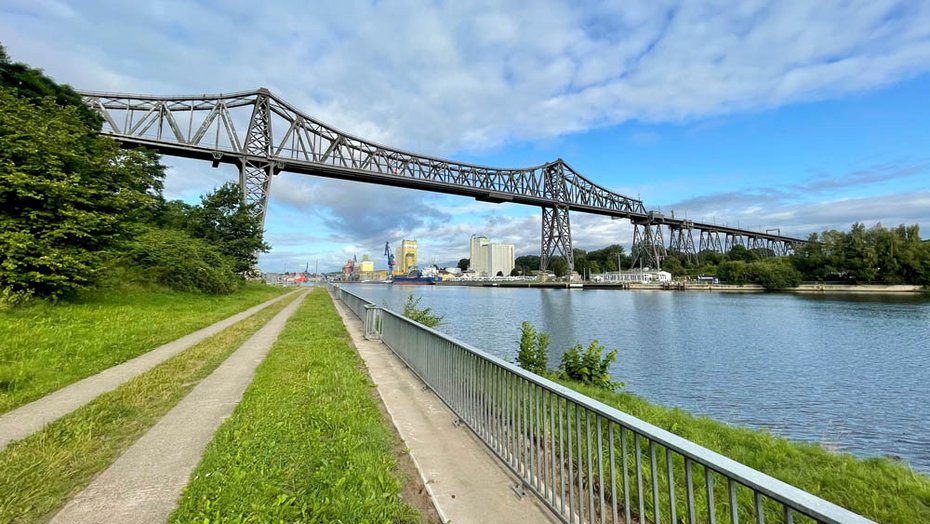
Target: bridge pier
[[556, 228], [256, 165]]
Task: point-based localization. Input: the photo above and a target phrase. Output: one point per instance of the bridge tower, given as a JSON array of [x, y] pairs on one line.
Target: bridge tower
[[256, 164], [556, 229], [648, 244], [681, 240]]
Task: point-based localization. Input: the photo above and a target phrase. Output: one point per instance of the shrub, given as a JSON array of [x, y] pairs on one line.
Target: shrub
[[588, 367], [173, 259], [422, 315], [534, 350]]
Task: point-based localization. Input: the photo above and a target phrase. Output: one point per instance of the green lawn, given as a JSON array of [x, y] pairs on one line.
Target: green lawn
[[38, 474], [46, 346], [880, 489], [307, 443]]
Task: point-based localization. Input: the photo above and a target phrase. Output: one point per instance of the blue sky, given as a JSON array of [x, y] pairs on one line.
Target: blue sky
[[799, 115]]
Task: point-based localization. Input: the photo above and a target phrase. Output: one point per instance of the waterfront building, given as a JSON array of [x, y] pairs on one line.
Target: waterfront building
[[633, 275], [488, 259]]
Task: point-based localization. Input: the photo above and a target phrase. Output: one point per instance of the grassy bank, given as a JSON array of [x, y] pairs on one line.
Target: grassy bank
[[45, 346], [880, 489], [307, 443], [40, 473]]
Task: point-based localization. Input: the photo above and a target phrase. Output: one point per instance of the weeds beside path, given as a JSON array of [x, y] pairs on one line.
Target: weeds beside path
[[40, 473], [307, 442], [44, 346]]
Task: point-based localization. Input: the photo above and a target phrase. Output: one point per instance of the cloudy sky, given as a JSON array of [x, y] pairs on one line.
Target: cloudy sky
[[796, 114]]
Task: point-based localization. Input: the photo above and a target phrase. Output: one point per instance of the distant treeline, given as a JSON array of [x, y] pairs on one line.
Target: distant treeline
[[77, 212], [861, 255]]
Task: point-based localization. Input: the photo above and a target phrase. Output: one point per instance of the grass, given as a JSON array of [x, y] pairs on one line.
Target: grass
[[40, 473], [307, 443], [880, 489], [45, 346]]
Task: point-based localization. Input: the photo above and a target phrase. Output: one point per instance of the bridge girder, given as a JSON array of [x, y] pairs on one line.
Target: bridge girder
[[278, 138]]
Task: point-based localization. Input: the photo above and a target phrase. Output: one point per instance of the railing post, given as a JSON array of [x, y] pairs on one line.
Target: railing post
[[372, 322]]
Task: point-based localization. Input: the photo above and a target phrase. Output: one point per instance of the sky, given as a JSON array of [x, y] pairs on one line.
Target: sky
[[798, 115]]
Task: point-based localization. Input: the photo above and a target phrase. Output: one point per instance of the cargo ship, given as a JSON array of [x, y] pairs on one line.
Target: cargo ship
[[417, 277]]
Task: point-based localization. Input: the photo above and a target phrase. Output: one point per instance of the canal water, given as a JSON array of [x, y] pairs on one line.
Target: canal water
[[849, 372]]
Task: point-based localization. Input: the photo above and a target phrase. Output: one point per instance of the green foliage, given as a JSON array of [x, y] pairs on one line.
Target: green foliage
[[775, 274], [558, 266], [463, 264], [31, 84], [175, 260], [44, 346], [424, 316], [880, 489], [534, 350], [588, 366], [527, 263], [224, 221], [67, 198], [40, 473], [877, 254], [307, 443]]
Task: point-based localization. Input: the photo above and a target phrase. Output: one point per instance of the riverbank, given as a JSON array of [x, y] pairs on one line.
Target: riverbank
[[881, 489], [693, 286]]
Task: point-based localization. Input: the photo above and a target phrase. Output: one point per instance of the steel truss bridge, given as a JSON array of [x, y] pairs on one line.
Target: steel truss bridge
[[263, 135]]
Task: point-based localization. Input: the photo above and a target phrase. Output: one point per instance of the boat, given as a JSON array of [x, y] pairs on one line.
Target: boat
[[417, 277]]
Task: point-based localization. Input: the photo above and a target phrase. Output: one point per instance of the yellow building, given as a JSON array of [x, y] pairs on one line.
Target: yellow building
[[408, 256], [366, 265]]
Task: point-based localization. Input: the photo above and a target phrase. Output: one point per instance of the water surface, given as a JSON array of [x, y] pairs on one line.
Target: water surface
[[850, 372]]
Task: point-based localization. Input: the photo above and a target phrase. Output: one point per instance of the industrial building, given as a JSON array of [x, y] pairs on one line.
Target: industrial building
[[408, 257], [487, 259]]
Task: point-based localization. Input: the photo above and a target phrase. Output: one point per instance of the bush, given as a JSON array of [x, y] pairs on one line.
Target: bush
[[174, 259], [534, 350], [588, 367], [422, 315]]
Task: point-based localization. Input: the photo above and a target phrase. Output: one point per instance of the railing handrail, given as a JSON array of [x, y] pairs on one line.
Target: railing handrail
[[796, 498]]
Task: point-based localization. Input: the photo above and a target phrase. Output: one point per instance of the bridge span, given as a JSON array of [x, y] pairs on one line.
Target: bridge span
[[263, 135]]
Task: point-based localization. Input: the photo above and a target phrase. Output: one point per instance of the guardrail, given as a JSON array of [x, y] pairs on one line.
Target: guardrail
[[586, 461]]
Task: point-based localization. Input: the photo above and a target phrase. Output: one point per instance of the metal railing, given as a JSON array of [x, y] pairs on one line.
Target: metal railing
[[586, 461]]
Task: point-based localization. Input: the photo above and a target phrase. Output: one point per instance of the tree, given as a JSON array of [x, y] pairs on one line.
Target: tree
[[224, 221], [31, 84], [559, 266], [463, 264], [500, 273], [527, 263], [515, 272], [67, 197]]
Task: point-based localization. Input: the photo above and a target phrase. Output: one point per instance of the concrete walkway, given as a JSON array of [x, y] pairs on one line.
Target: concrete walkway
[[466, 482], [144, 484], [26, 420]]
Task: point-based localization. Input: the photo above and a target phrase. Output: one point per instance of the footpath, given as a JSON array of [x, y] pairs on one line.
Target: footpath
[[144, 484], [26, 420], [466, 482]]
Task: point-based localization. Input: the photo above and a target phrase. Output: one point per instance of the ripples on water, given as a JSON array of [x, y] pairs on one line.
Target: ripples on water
[[851, 372]]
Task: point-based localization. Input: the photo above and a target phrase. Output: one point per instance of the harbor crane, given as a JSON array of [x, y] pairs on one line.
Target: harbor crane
[[390, 258]]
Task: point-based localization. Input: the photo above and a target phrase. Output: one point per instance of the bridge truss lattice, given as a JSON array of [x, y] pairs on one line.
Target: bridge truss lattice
[[263, 135]]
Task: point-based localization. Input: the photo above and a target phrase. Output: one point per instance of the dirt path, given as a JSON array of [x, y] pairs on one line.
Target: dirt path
[[144, 484], [26, 420]]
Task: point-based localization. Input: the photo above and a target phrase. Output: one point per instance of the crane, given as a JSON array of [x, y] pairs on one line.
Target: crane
[[390, 258]]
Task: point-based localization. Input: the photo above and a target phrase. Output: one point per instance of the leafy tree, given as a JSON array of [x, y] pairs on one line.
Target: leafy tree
[[174, 259], [527, 263], [67, 197], [559, 267], [31, 84], [673, 265], [515, 272], [463, 264], [425, 316], [588, 366], [775, 274], [534, 350], [224, 221]]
